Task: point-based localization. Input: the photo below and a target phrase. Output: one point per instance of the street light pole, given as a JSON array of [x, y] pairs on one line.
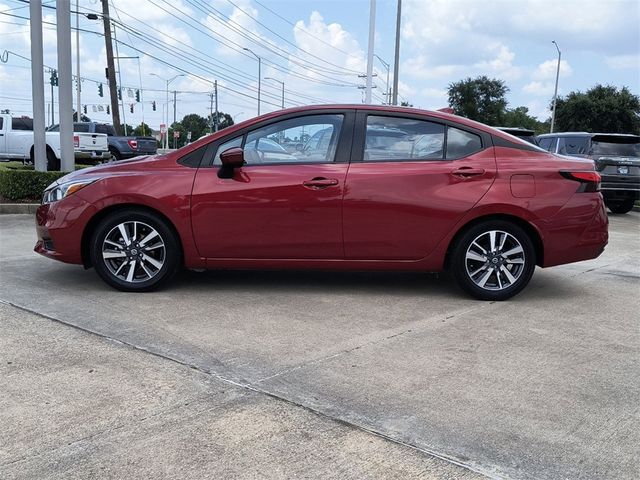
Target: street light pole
[[388, 67], [168, 81], [79, 107], [555, 93], [259, 74], [276, 80], [396, 61]]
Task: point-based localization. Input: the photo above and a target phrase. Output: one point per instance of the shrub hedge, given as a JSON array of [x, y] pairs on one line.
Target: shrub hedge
[[25, 184]]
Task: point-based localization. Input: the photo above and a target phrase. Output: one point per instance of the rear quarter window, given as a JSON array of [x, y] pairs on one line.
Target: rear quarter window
[[573, 145]]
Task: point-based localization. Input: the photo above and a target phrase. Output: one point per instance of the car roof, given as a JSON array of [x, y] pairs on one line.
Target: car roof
[[588, 134]]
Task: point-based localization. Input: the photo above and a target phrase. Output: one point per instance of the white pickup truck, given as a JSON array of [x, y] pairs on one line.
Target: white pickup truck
[[16, 143]]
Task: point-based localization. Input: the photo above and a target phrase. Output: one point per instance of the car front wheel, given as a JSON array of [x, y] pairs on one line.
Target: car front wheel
[[135, 251], [493, 260]]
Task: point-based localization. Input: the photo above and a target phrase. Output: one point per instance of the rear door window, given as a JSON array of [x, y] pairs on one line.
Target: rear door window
[[573, 145], [396, 138]]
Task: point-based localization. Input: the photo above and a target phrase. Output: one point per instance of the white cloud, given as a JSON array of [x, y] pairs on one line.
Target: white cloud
[[622, 62], [539, 88], [548, 69]]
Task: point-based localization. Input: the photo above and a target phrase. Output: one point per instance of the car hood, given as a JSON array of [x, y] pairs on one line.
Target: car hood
[[119, 167]]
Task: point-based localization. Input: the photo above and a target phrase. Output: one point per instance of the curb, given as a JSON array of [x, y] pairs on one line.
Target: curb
[[18, 208]]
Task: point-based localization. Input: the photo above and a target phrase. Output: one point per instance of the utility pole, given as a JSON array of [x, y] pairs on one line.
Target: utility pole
[[111, 70], [372, 33], [37, 87], [119, 83], [387, 66], [555, 93], [215, 93], [174, 106], [65, 87], [396, 62], [53, 109], [211, 113]]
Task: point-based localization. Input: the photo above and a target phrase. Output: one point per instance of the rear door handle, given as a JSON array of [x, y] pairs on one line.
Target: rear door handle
[[320, 182], [465, 172]]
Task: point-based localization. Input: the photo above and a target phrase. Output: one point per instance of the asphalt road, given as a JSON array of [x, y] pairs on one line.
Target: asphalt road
[[546, 385]]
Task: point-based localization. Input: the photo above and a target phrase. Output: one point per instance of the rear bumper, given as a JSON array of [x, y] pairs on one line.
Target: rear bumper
[[620, 186], [59, 227], [579, 231], [96, 155]]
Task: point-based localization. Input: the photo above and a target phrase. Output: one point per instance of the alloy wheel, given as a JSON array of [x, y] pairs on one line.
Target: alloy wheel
[[133, 251], [495, 260]]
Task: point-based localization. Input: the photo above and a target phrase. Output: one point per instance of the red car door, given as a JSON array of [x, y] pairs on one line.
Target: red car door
[[286, 201], [410, 181]]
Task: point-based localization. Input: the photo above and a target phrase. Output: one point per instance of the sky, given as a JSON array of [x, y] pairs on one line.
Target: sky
[[319, 49]]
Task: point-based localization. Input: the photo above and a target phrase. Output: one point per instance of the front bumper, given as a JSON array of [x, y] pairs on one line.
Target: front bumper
[[60, 226]]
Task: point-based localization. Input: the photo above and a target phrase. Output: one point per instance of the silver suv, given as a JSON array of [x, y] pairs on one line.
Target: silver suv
[[617, 159]]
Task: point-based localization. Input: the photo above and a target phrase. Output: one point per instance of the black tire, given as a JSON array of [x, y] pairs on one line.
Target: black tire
[[145, 257], [470, 266], [115, 153], [620, 206], [53, 162]]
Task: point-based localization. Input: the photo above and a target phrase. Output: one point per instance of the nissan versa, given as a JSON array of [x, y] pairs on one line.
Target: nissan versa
[[343, 187]]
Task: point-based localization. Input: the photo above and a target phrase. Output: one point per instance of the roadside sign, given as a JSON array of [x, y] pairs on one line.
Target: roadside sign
[[163, 128], [176, 134], [188, 135]]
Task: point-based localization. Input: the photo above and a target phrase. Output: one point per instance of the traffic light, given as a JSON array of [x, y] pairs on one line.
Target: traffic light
[[153, 105], [137, 95], [108, 110], [100, 90], [119, 94], [53, 79], [84, 109], [131, 108]]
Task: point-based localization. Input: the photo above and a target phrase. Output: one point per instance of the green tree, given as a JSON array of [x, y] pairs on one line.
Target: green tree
[[600, 109], [224, 120], [519, 117], [142, 130], [481, 99]]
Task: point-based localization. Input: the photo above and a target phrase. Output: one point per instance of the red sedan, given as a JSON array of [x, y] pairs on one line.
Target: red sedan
[[344, 187]]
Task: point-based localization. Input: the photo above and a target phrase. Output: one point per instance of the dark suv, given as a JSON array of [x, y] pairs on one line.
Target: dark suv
[[617, 158]]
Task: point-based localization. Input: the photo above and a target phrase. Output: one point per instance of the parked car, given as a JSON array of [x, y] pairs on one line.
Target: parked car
[[616, 157], [523, 133], [120, 147], [16, 143], [488, 207]]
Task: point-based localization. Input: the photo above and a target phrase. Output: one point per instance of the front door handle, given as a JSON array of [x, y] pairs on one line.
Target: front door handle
[[466, 172], [320, 182]]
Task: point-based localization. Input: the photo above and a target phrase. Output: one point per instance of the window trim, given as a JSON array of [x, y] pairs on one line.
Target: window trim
[[343, 149], [357, 150]]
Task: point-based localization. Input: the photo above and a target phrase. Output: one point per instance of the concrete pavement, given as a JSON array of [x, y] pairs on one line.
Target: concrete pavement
[[542, 386]]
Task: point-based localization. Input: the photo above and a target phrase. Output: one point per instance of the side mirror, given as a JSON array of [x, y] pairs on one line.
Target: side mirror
[[231, 159]]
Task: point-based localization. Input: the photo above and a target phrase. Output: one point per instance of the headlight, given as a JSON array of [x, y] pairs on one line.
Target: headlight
[[58, 191]]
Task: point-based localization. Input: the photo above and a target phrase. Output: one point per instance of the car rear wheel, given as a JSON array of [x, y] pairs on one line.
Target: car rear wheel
[[620, 206], [115, 154], [493, 260], [135, 251]]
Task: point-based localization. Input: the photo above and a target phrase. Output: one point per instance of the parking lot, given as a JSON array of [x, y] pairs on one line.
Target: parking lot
[[319, 374]]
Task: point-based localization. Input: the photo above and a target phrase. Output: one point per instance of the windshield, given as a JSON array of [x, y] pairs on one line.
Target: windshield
[[615, 149]]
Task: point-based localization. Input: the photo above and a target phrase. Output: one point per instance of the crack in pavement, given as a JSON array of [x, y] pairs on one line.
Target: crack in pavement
[[490, 472]]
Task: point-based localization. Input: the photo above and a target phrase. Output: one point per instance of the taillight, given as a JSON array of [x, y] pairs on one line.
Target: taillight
[[76, 141], [589, 181], [133, 144]]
